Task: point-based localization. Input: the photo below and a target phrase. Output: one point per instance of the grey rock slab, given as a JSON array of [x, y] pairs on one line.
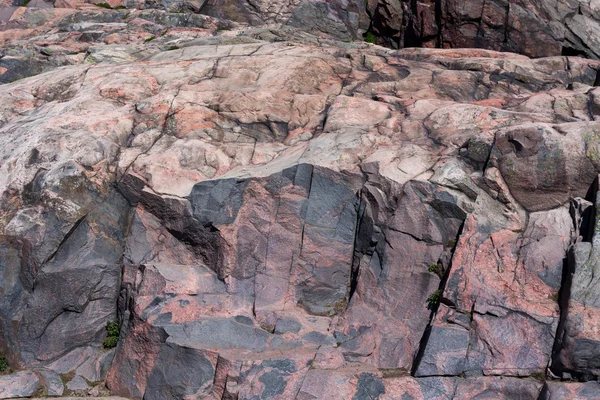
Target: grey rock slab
[[19, 384], [586, 29], [218, 202], [217, 333], [53, 382], [179, 372], [77, 384], [570, 390], [445, 352], [94, 369]]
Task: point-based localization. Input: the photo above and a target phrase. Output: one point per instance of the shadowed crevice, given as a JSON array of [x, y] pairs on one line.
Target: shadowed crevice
[[427, 333]]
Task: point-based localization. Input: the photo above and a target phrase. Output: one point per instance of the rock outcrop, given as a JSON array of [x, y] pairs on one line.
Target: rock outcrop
[[269, 207]]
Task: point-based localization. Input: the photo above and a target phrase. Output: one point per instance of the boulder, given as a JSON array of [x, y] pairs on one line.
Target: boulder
[[52, 382], [19, 384]]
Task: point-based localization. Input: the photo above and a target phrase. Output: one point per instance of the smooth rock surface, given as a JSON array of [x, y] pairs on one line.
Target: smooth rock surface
[[77, 384]]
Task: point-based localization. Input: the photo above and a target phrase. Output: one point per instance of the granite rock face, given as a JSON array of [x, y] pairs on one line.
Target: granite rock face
[[271, 208], [534, 28], [20, 384]]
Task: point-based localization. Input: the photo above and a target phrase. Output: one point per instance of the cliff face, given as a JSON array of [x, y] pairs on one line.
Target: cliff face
[[271, 209]]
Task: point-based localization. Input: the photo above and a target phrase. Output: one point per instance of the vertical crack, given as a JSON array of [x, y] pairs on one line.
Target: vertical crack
[[506, 18], [425, 338], [438, 22], [355, 269], [583, 228]]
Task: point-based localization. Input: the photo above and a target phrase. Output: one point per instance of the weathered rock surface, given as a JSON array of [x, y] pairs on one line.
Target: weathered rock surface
[[19, 384], [578, 355], [52, 382], [534, 28], [270, 208], [558, 390]]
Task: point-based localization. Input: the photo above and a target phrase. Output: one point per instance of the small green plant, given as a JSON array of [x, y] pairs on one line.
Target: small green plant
[[119, 7], [104, 5], [434, 298], [370, 38], [451, 243], [223, 28], [518, 230], [112, 329], [26, 2], [110, 342], [151, 38], [173, 48], [3, 363], [436, 269]]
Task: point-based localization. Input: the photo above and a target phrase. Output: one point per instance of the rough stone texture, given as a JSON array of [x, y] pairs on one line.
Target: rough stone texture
[[499, 298], [273, 209], [171, 377], [77, 385], [52, 382], [560, 390], [371, 385], [534, 28], [578, 335], [19, 384]]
